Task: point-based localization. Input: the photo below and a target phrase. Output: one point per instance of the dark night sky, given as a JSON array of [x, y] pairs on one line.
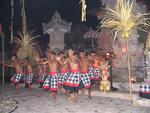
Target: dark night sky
[[39, 11]]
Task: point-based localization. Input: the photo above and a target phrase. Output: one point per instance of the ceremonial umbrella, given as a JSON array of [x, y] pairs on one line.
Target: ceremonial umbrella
[[91, 34]]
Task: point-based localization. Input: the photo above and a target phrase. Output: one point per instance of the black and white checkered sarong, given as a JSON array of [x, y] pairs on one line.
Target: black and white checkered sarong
[[29, 78], [85, 79], [46, 84], [42, 78], [91, 73], [54, 82], [51, 82], [73, 79], [145, 88], [62, 78], [16, 78], [97, 73]]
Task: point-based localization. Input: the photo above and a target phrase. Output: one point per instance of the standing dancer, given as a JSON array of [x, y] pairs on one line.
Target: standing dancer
[[72, 82], [96, 65], [51, 81], [94, 70], [84, 65], [64, 69], [29, 75], [40, 75], [19, 74], [42, 71]]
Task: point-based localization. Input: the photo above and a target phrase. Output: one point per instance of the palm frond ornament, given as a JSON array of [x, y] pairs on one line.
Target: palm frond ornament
[[122, 21], [148, 42], [84, 6], [26, 45], [124, 18]]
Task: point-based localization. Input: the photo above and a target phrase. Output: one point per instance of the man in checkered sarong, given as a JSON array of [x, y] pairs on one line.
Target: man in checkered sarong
[[96, 65], [84, 66], [64, 70], [29, 75], [42, 71], [94, 70], [51, 81], [72, 82], [19, 73]]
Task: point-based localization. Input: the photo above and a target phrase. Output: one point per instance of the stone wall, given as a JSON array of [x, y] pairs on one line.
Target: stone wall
[[120, 70]]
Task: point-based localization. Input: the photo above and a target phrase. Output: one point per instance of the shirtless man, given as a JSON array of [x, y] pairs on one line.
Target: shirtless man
[[42, 71], [64, 69], [51, 82], [94, 70], [95, 65], [72, 82], [85, 78], [29, 76], [19, 73]]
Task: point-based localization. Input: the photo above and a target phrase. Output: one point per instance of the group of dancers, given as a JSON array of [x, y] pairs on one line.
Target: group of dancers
[[67, 73]]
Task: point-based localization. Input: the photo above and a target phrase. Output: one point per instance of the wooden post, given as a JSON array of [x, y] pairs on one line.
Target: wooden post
[[12, 17], [3, 58], [129, 68]]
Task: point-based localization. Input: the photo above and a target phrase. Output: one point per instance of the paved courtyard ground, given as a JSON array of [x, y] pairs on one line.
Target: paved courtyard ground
[[38, 101]]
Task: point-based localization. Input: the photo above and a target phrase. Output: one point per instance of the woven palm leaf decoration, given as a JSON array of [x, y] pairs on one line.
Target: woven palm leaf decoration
[[84, 6], [124, 18], [26, 45]]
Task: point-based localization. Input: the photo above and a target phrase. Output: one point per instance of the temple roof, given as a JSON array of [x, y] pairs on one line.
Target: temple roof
[[56, 23]]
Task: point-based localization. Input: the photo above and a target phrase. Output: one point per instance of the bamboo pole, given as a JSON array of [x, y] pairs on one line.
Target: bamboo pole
[[3, 58], [24, 20], [84, 6], [12, 22], [129, 68]]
